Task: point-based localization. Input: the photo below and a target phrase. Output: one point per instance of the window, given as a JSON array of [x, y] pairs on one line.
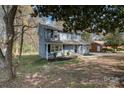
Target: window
[[51, 33], [54, 48], [63, 46], [48, 35], [48, 48]]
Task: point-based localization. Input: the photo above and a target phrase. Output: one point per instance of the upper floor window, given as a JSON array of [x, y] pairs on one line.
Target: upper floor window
[[52, 35]]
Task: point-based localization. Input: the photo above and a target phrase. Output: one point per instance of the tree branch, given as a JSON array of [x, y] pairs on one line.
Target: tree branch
[[18, 25], [4, 9]]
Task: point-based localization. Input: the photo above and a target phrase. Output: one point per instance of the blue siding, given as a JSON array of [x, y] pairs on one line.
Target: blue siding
[[42, 42]]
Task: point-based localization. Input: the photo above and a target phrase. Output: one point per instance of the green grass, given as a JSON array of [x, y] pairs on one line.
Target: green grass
[[33, 63], [66, 62]]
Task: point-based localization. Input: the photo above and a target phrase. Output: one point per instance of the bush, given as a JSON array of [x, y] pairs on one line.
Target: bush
[[68, 53], [108, 50], [120, 49]]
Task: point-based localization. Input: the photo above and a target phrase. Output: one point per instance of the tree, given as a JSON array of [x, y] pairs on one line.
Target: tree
[[23, 23], [74, 17], [104, 18], [114, 39], [9, 16], [86, 36], [2, 58], [16, 19]]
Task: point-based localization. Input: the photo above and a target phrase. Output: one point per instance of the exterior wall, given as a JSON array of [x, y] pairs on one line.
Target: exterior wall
[[80, 49], [85, 49], [42, 42]]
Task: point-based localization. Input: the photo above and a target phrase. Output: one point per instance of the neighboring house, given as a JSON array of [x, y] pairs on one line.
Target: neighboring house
[[54, 42], [97, 46], [102, 46]]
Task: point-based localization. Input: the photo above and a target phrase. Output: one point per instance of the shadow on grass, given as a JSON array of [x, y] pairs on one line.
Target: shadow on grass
[[62, 58], [88, 54], [59, 60], [37, 60]]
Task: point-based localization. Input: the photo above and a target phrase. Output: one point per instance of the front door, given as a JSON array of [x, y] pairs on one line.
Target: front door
[[76, 48], [98, 48]]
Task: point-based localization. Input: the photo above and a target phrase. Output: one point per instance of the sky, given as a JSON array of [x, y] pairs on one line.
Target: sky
[[49, 21]]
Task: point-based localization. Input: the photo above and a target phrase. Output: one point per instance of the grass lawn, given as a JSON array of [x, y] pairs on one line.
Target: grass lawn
[[79, 72]]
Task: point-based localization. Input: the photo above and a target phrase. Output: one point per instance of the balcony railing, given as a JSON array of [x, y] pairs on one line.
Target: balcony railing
[[53, 38], [57, 37]]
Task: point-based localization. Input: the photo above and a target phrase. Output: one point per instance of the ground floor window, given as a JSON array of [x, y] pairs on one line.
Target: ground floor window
[[54, 48], [48, 48], [76, 49]]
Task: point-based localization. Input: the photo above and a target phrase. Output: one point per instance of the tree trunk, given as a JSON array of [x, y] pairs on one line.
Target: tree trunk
[[2, 58], [21, 42], [9, 46], [1, 54], [9, 24]]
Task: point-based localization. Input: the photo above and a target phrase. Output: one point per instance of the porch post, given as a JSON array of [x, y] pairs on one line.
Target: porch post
[[47, 51], [74, 48], [62, 50]]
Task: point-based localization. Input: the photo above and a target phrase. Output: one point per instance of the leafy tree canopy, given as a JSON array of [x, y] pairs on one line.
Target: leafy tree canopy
[[102, 18], [114, 39]]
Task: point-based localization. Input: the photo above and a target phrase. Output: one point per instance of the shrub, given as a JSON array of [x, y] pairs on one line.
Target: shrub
[[120, 49], [108, 50]]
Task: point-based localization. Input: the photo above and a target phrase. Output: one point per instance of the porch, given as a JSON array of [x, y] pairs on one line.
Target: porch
[[56, 50]]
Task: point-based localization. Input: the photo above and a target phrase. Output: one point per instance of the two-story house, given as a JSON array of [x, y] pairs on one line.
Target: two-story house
[[55, 42]]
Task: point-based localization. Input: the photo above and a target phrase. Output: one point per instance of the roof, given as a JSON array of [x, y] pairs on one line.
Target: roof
[[54, 42], [58, 28], [99, 42], [51, 27], [72, 42], [67, 42]]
